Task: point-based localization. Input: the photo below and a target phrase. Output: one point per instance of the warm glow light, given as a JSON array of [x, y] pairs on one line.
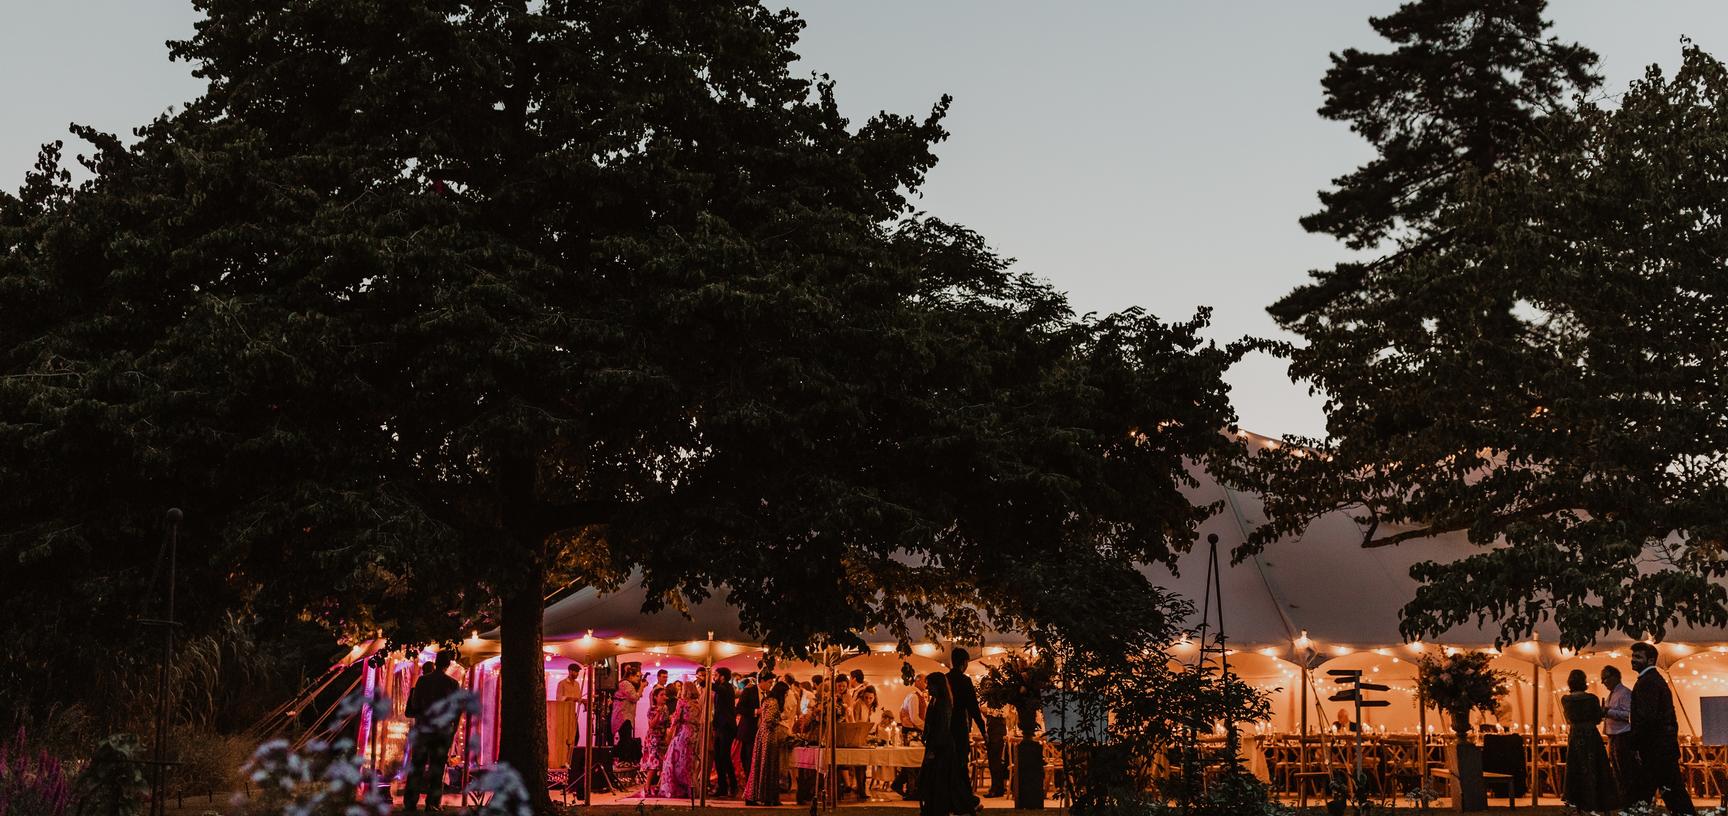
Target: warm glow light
[[994, 650], [1269, 652], [551, 650], [1680, 648], [1341, 650], [924, 649], [1416, 646], [1303, 642], [1528, 646]]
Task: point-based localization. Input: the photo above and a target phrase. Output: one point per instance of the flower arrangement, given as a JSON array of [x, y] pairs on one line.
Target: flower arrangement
[[1018, 682], [1459, 683]]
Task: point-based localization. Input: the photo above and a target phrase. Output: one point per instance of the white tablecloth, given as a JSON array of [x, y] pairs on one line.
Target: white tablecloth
[[810, 756]]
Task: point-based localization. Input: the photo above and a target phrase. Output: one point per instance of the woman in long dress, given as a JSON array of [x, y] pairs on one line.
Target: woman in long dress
[[678, 771], [764, 787], [1589, 779], [936, 786], [654, 739]]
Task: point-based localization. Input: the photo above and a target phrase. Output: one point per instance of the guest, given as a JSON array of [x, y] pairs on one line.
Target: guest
[[764, 786], [966, 713], [749, 706], [912, 715], [654, 738], [1656, 735], [429, 705], [624, 712], [939, 794], [1617, 721], [1589, 783], [857, 685], [793, 705], [1343, 724], [863, 706], [682, 765], [570, 689], [996, 750], [725, 733]]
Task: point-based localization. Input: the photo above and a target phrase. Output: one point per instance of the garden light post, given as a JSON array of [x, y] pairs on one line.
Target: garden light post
[[159, 753]]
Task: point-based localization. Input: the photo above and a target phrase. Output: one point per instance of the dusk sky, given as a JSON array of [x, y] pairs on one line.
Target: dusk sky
[[1134, 153]]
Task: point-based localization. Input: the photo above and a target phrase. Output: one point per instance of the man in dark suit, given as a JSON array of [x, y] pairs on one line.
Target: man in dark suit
[[749, 707], [966, 713], [432, 706], [725, 731], [1656, 735]]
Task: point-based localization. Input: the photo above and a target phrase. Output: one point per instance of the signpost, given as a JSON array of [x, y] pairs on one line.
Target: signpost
[[1354, 694]]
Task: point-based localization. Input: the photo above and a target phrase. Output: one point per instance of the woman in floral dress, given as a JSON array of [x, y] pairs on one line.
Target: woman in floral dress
[[654, 741], [678, 772]]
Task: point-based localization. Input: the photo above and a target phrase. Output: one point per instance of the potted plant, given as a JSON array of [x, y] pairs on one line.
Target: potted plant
[[1457, 684], [1020, 682]]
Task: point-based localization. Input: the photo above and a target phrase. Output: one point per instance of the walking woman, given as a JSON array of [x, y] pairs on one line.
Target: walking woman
[[1589, 780], [679, 770], [654, 740], [938, 789], [764, 787]]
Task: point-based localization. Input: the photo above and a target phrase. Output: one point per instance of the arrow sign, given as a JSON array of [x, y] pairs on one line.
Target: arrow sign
[[1372, 687], [1344, 696], [1345, 672], [1375, 703]]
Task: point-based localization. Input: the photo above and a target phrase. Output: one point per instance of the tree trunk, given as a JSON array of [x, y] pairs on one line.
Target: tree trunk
[[522, 685]]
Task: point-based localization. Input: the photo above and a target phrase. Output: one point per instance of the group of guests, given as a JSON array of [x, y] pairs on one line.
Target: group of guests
[[755, 715], [1642, 756]]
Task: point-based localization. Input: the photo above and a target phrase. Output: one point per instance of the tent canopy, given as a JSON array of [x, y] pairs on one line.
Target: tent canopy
[[1316, 596]]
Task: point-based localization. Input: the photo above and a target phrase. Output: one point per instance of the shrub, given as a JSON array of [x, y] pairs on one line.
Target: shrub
[[32, 783], [112, 782]]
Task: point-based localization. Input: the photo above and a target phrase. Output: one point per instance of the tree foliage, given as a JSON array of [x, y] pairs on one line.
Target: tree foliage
[[1538, 364], [422, 313]]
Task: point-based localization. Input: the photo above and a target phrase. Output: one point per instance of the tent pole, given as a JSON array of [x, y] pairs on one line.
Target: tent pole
[[468, 752], [1422, 743], [1535, 727], [1302, 738], [707, 692], [832, 715], [588, 738]]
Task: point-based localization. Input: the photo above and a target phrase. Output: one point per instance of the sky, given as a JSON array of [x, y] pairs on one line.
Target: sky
[[1146, 153]]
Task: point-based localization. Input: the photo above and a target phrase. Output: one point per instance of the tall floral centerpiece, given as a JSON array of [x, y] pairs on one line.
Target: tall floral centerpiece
[[1019, 682], [1459, 683]]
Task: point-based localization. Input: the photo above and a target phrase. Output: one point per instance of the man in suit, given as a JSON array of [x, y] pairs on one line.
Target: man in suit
[[725, 732], [431, 705], [1656, 735], [966, 713]]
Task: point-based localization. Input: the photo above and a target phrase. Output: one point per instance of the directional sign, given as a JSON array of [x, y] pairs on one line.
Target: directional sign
[[1374, 703], [1345, 672], [1373, 687], [1344, 696]]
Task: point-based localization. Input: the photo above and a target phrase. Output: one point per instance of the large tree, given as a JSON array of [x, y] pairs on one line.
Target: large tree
[[1536, 360], [422, 311]]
